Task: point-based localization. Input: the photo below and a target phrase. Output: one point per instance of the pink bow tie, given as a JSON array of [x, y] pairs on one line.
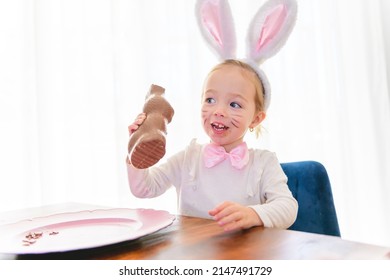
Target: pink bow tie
[[214, 154]]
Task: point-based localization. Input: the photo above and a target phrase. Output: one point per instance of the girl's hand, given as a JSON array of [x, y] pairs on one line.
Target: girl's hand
[[136, 124], [133, 127], [233, 216]]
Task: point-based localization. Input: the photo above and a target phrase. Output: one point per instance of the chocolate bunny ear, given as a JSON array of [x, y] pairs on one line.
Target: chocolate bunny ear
[[216, 23], [270, 29]]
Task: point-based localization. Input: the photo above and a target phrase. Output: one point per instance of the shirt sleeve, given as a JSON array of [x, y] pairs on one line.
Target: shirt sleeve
[[280, 208]]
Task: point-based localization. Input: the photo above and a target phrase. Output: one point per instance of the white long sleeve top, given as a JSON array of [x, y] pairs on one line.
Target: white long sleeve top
[[261, 185]]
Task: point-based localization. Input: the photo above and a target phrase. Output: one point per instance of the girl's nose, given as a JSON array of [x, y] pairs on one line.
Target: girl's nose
[[219, 112]]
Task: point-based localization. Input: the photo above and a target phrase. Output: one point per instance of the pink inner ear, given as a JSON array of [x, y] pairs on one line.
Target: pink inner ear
[[212, 21], [272, 25]]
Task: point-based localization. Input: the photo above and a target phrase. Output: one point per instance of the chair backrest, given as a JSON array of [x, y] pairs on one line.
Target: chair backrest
[[310, 185]]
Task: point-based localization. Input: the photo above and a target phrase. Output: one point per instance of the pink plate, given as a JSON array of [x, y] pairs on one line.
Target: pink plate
[[80, 230]]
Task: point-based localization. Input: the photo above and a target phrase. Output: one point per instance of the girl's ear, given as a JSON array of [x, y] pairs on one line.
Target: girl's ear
[[270, 29], [258, 118], [216, 24]]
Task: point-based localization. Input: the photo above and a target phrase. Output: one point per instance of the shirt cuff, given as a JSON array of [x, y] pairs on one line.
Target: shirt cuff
[[263, 216]]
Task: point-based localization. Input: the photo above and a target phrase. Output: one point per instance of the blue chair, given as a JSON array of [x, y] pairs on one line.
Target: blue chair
[[310, 185]]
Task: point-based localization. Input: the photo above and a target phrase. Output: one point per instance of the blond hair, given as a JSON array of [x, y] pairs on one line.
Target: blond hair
[[254, 78]]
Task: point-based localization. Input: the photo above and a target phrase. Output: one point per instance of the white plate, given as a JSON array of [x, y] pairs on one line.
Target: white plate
[[80, 230]]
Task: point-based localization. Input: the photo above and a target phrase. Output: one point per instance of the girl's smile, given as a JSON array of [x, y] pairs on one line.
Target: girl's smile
[[219, 127]]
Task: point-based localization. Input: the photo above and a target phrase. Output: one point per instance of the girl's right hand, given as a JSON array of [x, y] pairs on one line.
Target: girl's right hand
[[137, 123]]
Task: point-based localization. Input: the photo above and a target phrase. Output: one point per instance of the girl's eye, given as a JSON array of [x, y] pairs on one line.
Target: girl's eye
[[235, 105], [210, 100]]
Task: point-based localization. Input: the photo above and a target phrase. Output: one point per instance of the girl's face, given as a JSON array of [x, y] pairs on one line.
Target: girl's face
[[228, 106]]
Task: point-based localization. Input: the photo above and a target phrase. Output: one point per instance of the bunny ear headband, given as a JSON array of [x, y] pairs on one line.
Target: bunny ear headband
[[267, 33]]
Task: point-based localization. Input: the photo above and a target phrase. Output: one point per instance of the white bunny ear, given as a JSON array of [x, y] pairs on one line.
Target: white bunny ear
[[216, 23], [270, 29]]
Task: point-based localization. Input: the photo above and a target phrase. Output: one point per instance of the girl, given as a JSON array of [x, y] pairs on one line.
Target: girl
[[238, 187]]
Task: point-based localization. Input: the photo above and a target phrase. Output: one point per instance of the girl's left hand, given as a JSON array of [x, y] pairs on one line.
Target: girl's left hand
[[233, 216]]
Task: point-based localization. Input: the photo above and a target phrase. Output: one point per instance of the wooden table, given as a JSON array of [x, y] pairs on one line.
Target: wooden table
[[195, 238]]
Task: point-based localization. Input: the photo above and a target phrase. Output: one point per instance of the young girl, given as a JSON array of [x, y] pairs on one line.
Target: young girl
[[238, 187]]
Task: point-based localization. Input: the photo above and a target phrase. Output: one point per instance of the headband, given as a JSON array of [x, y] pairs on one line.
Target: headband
[[267, 33]]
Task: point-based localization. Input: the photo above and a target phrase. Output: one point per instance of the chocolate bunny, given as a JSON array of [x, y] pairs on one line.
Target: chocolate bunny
[[147, 144]]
